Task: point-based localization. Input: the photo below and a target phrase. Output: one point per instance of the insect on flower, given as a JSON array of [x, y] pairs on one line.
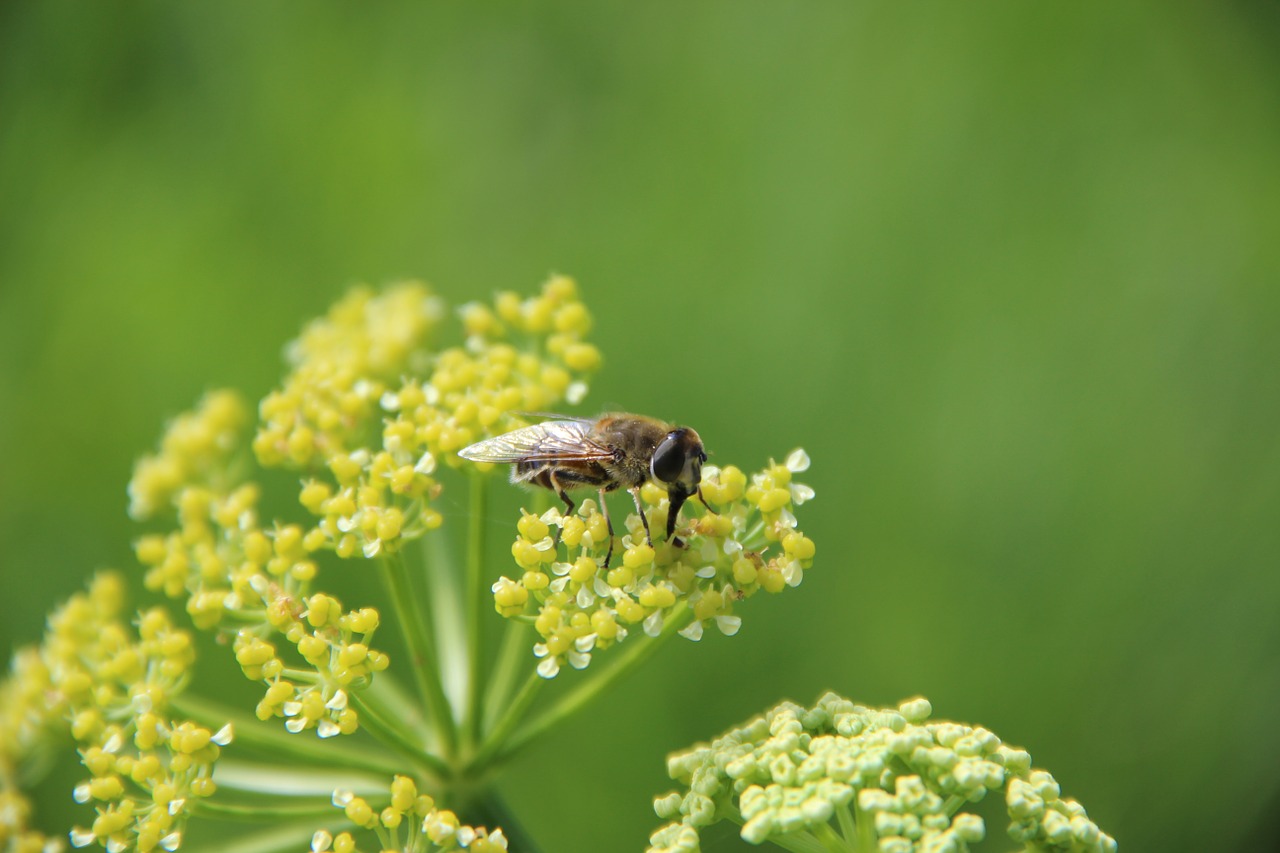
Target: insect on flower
[[615, 450]]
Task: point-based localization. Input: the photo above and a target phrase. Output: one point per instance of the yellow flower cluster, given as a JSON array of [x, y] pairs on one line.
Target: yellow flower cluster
[[25, 716], [521, 355], [351, 414], [341, 364], [197, 448], [111, 690], [375, 490], [750, 542], [334, 643], [229, 567], [409, 821], [370, 492]]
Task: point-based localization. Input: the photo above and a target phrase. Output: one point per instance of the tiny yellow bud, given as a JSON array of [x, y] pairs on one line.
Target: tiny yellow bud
[[620, 577], [106, 788], [775, 498], [638, 556], [151, 549], [360, 813], [571, 533], [744, 571], [313, 648], [708, 605], [573, 317], [604, 624], [657, 596], [532, 528], [583, 569], [353, 654], [630, 611], [582, 357], [403, 793], [771, 580], [203, 787], [313, 495], [798, 546]]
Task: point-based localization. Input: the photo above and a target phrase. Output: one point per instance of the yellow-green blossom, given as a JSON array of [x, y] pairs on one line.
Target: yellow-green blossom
[[851, 777], [749, 542], [368, 419], [406, 820], [229, 568], [110, 689]]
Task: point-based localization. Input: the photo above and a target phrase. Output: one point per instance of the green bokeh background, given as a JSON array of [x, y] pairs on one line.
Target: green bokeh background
[[1007, 270]]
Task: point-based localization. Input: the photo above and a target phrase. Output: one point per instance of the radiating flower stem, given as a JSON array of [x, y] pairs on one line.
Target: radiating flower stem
[[830, 839], [498, 738], [475, 607], [848, 828], [269, 738], [275, 839], [513, 651], [422, 648], [632, 656], [866, 831], [392, 735], [262, 809]]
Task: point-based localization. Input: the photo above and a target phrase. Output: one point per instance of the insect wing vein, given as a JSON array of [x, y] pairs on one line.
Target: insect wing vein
[[544, 442]]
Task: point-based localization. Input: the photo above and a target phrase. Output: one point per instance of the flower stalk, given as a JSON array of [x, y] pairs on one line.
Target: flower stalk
[[422, 649]]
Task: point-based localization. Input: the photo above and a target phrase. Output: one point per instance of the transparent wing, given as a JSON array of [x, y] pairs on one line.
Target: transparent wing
[[550, 441]]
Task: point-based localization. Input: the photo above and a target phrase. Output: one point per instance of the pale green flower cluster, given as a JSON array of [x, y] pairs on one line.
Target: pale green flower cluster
[[110, 689], [749, 541], [841, 776]]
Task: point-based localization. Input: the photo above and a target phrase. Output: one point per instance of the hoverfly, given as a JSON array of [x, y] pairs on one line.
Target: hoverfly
[[615, 450]]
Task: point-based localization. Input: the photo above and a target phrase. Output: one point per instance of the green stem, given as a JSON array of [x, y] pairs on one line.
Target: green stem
[[515, 711], [390, 700], [421, 642], [261, 810], [492, 811], [273, 839], [848, 828], [446, 610], [800, 842], [866, 831], [829, 839], [252, 732], [475, 596], [373, 720], [502, 680], [631, 658]]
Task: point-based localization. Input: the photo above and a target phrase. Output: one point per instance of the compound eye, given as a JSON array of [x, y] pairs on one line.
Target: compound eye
[[668, 459]]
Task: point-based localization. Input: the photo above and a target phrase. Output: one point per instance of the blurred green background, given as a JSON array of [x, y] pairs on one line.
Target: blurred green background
[[1007, 270]]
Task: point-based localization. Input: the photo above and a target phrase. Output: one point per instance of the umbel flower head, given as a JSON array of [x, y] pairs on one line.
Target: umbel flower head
[[747, 542], [841, 776], [365, 431], [109, 686], [367, 421]]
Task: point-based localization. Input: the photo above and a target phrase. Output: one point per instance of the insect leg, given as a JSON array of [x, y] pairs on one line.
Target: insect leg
[[568, 502], [608, 522], [635, 495]]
